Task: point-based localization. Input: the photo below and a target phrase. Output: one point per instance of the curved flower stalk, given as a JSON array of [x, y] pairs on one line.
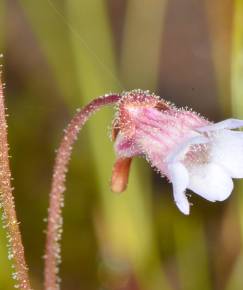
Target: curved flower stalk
[[54, 227], [189, 150], [9, 219]]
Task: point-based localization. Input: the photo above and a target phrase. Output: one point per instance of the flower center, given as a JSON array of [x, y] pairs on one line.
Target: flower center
[[198, 154]]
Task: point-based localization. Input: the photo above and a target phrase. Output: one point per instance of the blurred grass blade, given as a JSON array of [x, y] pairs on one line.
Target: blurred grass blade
[[92, 47], [219, 23], [192, 255], [52, 33], [142, 43], [237, 105], [235, 281], [237, 60], [2, 24], [237, 78]]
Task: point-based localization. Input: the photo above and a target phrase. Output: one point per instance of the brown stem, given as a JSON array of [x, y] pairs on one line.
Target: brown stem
[[54, 227], [15, 246]]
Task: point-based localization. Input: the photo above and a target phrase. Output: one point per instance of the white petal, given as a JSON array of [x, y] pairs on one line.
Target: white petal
[[227, 151], [179, 177], [226, 124], [181, 150], [210, 181]]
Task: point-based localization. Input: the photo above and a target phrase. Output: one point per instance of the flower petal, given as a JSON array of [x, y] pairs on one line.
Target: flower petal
[[227, 151], [226, 124], [210, 181], [178, 175], [181, 149]]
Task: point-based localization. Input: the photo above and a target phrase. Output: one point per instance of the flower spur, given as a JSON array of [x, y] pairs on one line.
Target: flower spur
[[190, 151]]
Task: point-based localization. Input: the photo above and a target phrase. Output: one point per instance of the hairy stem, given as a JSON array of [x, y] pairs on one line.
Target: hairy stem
[[54, 227], [15, 246]]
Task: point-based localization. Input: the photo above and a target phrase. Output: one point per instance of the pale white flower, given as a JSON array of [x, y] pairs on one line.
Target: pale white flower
[[190, 151], [207, 163]]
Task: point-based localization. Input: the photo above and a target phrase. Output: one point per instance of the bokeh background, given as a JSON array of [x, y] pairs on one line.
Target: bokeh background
[[58, 55]]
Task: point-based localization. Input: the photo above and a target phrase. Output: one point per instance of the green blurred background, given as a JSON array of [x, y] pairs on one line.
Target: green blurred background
[[58, 55]]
